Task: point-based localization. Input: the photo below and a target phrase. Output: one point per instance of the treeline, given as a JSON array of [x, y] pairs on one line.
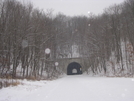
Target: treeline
[[25, 33], [114, 34]]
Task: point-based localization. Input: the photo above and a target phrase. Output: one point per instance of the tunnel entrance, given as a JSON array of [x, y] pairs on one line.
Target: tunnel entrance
[[74, 68]]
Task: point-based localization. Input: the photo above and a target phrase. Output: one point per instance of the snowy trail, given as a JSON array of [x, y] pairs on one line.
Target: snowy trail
[[72, 88], [79, 88]]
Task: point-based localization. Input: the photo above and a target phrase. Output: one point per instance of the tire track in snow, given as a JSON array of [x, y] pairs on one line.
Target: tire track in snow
[[54, 88], [69, 90]]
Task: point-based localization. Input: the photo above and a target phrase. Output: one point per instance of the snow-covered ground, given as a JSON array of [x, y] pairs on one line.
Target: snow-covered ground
[[72, 88]]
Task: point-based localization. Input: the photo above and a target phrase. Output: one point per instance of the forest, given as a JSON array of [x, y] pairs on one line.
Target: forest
[[106, 39]]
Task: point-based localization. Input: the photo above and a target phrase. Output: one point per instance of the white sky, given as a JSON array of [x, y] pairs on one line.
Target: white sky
[[74, 7]]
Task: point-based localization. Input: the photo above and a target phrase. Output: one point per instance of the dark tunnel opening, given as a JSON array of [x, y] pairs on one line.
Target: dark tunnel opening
[[74, 68]]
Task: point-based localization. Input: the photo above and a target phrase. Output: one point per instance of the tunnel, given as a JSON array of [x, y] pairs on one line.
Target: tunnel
[[74, 68]]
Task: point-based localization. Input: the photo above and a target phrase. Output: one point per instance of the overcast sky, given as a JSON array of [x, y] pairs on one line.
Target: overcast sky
[[74, 7]]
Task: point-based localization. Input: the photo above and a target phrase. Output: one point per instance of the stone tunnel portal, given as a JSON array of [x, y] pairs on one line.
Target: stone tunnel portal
[[74, 68]]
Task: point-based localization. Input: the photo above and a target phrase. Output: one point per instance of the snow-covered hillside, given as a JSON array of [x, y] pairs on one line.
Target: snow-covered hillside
[[72, 88]]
